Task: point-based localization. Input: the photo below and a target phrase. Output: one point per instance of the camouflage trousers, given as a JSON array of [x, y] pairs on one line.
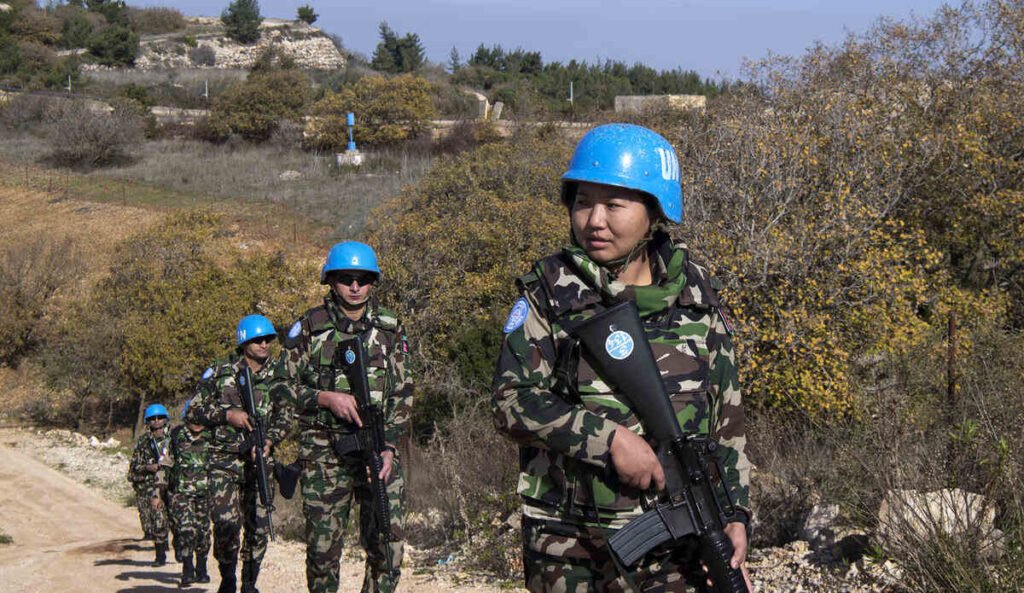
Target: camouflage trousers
[[191, 516], [328, 492], [235, 509], [568, 558], [154, 521]]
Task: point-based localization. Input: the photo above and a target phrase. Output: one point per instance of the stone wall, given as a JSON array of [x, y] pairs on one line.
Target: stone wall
[[645, 103]]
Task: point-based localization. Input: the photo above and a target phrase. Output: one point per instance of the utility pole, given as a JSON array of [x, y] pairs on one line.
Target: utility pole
[[68, 88]]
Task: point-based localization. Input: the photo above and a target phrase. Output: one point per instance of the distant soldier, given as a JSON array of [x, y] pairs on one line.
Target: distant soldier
[[183, 479], [142, 474], [328, 415], [234, 502]]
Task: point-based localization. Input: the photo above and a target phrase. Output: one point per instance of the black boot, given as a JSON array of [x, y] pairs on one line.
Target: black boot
[[228, 582], [201, 575], [188, 573], [250, 571], [177, 549], [161, 554]]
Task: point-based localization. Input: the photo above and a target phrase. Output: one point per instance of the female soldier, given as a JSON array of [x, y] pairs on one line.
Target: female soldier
[[584, 466]]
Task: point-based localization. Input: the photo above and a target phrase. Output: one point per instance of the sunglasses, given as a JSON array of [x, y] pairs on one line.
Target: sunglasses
[[155, 418], [262, 340], [347, 278]]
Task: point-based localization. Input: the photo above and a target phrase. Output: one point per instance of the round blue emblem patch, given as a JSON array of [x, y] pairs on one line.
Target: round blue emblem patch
[[619, 345], [207, 373], [295, 330], [517, 316], [350, 356]]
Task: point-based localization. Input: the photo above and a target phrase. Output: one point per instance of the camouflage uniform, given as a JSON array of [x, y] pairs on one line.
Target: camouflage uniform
[[234, 499], [562, 414], [331, 482], [183, 474], [148, 450]]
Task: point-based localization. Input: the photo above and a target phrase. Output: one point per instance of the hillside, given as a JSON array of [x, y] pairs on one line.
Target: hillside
[[203, 44]]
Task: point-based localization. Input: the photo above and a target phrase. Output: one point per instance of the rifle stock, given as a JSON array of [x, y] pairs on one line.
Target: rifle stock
[[259, 436], [616, 345]]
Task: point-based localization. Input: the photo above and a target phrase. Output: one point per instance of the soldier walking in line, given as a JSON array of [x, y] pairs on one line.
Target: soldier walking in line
[[183, 476], [312, 375], [585, 464], [217, 405], [142, 474]]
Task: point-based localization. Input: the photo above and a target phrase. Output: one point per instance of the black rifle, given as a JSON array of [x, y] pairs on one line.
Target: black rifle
[[617, 347], [368, 442], [258, 436]]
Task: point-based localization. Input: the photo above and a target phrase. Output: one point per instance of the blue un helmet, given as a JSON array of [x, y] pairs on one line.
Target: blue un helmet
[[154, 411], [252, 327], [350, 255], [629, 156]]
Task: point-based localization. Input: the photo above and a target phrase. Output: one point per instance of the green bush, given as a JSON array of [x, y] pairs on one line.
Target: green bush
[[242, 21], [388, 111], [255, 108], [306, 14], [77, 27], [114, 46]]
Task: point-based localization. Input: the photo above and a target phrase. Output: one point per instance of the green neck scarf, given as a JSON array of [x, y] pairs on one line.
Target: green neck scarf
[[668, 267]]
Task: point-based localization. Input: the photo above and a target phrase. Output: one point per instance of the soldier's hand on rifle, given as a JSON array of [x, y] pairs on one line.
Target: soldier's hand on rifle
[[635, 461], [737, 534], [267, 444], [387, 457], [239, 419], [151, 468], [342, 405], [156, 503]]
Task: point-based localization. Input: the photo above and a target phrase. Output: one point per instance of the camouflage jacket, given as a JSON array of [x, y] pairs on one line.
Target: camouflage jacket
[[307, 367], [148, 450], [184, 464], [218, 392], [563, 415]]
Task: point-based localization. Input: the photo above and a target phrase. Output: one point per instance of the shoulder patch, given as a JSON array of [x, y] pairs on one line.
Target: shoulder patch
[[517, 316], [294, 336], [207, 374]]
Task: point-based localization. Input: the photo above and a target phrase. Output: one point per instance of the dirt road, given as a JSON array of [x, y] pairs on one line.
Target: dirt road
[[67, 538]]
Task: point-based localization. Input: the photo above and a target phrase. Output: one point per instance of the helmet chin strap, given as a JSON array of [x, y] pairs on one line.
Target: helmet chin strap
[[617, 266]]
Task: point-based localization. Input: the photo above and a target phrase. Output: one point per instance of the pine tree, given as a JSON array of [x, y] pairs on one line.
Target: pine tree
[[242, 20]]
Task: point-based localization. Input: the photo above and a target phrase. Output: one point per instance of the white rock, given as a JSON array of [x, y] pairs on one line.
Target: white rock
[[908, 517]]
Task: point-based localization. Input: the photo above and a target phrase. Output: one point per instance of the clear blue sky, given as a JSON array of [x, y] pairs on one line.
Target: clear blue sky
[[709, 36]]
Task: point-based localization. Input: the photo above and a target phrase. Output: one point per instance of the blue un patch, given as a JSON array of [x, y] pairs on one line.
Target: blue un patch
[[207, 373], [295, 330], [350, 356], [517, 316], [619, 345]]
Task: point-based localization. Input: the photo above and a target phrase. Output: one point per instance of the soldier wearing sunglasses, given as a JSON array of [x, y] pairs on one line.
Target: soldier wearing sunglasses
[[217, 404], [311, 375]]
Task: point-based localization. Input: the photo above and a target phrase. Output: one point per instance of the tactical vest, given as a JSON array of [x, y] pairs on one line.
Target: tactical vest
[[225, 437], [681, 338], [188, 475], [378, 338]]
